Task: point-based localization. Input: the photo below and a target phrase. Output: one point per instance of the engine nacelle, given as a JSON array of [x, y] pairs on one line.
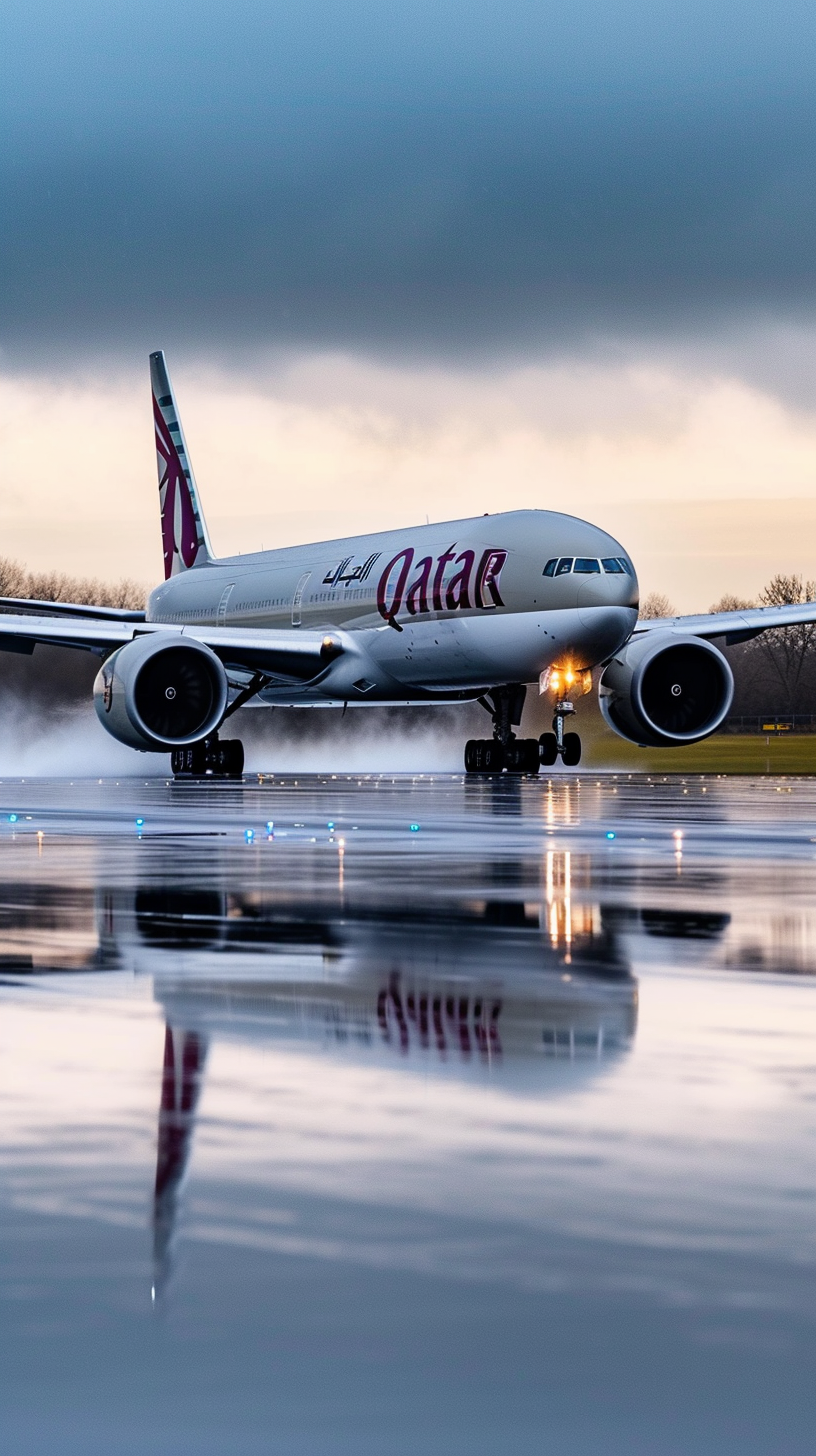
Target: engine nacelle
[[663, 689], [161, 691]]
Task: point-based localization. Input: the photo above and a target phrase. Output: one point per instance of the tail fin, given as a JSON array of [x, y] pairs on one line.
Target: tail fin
[[184, 534]]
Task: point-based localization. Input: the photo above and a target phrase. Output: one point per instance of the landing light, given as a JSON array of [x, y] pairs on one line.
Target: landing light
[[560, 680]]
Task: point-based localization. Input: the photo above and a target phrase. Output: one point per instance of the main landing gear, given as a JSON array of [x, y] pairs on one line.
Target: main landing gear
[[212, 758], [520, 755]]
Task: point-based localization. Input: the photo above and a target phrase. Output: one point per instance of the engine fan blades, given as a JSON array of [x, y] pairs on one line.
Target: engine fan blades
[[682, 690], [175, 694]]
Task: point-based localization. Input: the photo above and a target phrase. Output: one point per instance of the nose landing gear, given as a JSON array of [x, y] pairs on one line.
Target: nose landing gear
[[558, 744]]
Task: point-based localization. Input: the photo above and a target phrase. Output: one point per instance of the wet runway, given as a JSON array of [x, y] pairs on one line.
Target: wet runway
[[408, 1115]]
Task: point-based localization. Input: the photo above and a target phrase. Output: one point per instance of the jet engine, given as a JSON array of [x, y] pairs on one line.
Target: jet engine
[[663, 689], [160, 692]]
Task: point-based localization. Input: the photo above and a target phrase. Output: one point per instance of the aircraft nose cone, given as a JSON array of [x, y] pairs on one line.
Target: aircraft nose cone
[[593, 593]]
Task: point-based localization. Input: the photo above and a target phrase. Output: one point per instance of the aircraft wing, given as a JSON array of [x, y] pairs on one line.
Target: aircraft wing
[[733, 626], [69, 609], [289, 653]]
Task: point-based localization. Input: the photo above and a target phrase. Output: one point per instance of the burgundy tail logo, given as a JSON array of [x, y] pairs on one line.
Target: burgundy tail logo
[[180, 537]]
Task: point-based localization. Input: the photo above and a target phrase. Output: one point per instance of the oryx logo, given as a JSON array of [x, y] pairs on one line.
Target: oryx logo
[[449, 582], [180, 533]]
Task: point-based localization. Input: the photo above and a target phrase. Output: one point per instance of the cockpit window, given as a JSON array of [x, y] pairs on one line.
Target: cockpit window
[[612, 565], [627, 566], [586, 565], [549, 569], [564, 566]]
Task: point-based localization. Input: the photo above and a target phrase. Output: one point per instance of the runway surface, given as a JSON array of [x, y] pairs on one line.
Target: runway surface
[[408, 1115]]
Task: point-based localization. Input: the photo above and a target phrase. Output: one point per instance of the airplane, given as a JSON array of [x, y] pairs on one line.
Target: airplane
[[474, 610]]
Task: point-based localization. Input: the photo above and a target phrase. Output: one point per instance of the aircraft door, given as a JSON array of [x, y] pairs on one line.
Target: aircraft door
[[221, 614], [297, 599]]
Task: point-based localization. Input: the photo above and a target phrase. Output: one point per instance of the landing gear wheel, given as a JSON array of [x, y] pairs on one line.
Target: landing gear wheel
[[233, 758], [521, 756], [209, 759], [483, 755], [548, 749], [188, 763], [571, 753]]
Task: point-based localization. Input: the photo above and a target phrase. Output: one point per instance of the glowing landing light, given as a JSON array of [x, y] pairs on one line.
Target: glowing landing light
[[560, 680]]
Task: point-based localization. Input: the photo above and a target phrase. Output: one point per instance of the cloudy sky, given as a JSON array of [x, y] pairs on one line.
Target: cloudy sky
[[427, 259]]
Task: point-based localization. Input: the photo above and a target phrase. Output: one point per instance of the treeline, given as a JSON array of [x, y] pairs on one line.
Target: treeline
[[774, 673], [58, 586]]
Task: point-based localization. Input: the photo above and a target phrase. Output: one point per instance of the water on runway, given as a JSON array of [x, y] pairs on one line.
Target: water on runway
[[408, 1115]]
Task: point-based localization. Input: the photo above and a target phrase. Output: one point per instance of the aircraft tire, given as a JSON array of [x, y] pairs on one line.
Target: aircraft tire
[[233, 758], [572, 750], [188, 762], [548, 749], [211, 759], [522, 756], [483, 755]]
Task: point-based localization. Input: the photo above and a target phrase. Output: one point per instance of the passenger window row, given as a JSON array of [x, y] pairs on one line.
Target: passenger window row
[[587, 566]]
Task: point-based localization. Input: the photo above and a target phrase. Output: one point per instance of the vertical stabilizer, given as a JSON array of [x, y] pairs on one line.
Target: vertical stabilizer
[[184, 534]]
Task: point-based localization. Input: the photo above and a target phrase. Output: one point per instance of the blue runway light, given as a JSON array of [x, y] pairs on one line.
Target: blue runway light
[[330, 824], [610, 834], [414, 828], [139, 823], [270, 825], [12, 818], [249, 835]]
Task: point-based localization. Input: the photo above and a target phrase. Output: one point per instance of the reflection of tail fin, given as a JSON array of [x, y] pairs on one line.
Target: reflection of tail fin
[[184, 1056], [184, 533]]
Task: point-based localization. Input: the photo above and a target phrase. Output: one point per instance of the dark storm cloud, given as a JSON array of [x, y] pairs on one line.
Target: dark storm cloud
[[455, 179]]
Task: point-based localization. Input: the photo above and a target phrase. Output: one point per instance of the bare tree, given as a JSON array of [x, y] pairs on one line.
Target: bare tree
[[58, 586], [787, 650], [656, 604], [730, 603], [13, 578]]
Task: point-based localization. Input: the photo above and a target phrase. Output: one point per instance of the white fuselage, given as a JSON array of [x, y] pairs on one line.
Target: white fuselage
[[429, 612]]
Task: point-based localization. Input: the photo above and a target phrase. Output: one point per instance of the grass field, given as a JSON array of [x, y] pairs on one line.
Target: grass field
[[724, 753]]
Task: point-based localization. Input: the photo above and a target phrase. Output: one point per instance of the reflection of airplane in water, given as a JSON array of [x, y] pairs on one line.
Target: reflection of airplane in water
[[528, 987], [480, 980], [494, 990]]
